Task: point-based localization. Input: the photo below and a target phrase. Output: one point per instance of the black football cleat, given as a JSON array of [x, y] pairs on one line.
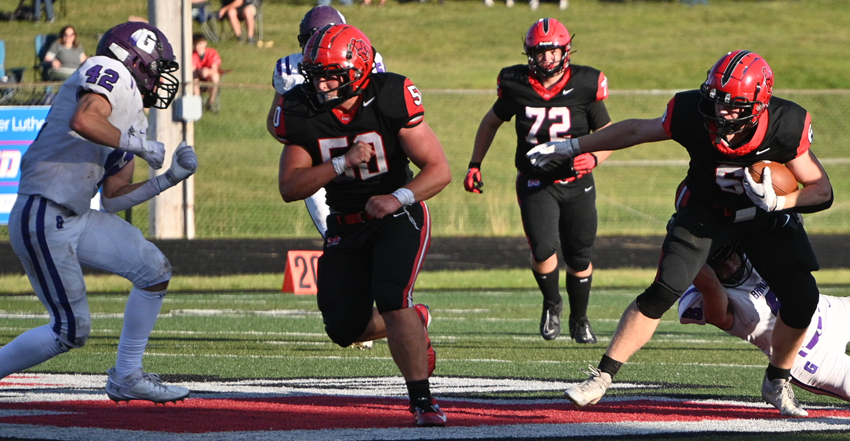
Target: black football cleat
[[581, 331], [550, 321]]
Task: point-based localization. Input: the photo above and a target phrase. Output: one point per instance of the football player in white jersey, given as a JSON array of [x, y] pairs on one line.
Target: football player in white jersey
[[730, 294], [287, 74], [95, 129]]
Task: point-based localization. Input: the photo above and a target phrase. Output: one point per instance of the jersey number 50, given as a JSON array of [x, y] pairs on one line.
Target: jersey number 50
[[376, 166]]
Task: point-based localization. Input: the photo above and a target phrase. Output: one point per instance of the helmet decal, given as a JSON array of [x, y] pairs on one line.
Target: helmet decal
[[360, 48], [733, 64], [144, 40], [119, 52]]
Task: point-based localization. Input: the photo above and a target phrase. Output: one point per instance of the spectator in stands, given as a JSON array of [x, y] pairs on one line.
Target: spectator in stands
[[206, 64], [48, 8], [236, 10], [65, 55]]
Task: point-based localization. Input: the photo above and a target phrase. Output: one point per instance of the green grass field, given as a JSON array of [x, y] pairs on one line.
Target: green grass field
[[486, 333], [489, 333]]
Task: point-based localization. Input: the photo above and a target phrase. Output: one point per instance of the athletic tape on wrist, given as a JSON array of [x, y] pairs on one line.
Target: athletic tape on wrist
[[339, 164], [131, 144], [575, 146], [780, 203], [405, 196]]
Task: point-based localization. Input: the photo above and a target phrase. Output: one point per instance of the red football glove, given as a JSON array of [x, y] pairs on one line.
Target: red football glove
[[473, 182], [584, 163]]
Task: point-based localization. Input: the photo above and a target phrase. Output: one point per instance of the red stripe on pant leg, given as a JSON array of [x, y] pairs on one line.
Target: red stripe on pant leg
[[424, 244]]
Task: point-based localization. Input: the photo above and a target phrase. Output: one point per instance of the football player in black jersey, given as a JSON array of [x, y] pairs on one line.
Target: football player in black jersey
[[552, 99], [355, 133], [731, 122]]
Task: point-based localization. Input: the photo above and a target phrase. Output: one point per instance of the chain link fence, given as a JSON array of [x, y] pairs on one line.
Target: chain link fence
[[236, 193]]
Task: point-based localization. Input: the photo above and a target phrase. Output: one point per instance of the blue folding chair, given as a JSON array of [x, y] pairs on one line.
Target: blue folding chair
[[41, 69], [208, 19], [12, 75]]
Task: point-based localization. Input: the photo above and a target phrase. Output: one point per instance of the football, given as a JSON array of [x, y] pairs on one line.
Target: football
[[784, 181]]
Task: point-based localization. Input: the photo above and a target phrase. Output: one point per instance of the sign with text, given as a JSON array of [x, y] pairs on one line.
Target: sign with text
[[300, 274], [18, 128]]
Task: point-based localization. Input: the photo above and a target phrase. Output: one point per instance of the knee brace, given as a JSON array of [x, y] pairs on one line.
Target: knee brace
[[342, 334], [542, 252], [800, 305], [655, 301], [578, 263]]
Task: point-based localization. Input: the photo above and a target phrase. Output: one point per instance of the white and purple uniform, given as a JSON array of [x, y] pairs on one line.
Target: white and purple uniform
[[52, 228], [287, 74], [821, 365]]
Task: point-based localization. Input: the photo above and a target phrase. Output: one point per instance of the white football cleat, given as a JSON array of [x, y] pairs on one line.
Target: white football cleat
[[362, 345], [590, 391], [778, 392], [141, 385]]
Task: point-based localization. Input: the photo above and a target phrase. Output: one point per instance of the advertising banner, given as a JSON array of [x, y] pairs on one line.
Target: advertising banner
[[19, 127]]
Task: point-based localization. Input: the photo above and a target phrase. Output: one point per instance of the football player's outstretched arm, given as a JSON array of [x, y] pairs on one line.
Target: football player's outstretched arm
[[624, 134], [615, 137], [716, 306], [421, 145]]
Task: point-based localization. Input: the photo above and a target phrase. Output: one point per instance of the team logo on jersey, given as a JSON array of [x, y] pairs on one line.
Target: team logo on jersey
[[533, 183], [333, 241]]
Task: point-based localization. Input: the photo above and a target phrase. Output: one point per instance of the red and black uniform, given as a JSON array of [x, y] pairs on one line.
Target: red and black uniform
[[365, 261], [555, 202], [713, 208]]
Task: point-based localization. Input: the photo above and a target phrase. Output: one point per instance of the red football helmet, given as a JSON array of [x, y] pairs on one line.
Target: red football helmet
[[341, 51], [740, 79], [546, 34]]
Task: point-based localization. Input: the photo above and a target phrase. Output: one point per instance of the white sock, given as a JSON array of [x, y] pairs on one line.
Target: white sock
[[140, 316], [29, 349]]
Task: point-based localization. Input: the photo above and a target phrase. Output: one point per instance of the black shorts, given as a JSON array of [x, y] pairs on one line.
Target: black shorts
[[784, 258], [554, 214], [375, 262]]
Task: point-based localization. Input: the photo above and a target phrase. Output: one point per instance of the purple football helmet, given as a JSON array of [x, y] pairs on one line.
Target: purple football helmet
[[147, 54], [316, 19]]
